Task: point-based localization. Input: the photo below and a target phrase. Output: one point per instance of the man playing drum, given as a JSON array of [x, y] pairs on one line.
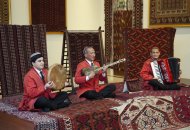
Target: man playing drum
[[89, 87], [37, 91]]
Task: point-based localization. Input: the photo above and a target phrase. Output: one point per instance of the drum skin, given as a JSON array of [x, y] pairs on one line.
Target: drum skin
[[58, 75]]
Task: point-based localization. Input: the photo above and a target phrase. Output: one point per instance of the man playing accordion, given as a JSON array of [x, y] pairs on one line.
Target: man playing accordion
[[149, 71]]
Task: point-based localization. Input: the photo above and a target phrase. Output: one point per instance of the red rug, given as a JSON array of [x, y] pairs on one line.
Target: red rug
[[139, 110], [80, 115], [151, 113], [139, 42], [88, 115]]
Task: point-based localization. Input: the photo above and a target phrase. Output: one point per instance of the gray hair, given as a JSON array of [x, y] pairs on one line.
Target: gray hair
[[86, 48]]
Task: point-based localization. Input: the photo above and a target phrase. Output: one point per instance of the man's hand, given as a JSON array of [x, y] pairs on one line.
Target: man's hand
[[155, 78], [91, 75], [49, 84]]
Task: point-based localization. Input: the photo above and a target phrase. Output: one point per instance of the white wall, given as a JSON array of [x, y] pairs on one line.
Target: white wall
[[83, 14], [88, 15], [182, 50], [19, 12], [80, 15]]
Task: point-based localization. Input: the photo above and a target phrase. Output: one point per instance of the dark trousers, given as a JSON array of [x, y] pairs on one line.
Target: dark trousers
[[107, 92], [60, 101], [159, 86]]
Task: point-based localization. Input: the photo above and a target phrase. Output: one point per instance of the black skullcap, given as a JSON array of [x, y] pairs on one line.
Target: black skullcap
[[35, 56]]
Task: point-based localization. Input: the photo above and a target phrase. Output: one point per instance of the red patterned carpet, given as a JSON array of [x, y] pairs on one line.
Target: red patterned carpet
[[167, 110], [154, 109], [151, 113], [88, 115], [80, 115]]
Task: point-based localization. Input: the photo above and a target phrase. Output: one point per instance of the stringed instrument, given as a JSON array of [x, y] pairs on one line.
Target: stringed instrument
[[96, 69]]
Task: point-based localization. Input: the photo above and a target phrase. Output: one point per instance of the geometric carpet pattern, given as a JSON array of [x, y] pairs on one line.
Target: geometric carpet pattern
[[169, 12], [138, 44], [77, 40], [4, 11], [129, 14], [151, 113], [49, 12], [168, 110], [88, 115], [118, 39], [95, 115], [17, 43], [72, 52]]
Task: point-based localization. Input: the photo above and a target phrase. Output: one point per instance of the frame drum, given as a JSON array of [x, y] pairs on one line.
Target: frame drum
[[58, 75]]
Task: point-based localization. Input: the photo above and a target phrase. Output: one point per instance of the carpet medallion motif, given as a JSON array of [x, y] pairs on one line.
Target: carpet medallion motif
[[149, 113]]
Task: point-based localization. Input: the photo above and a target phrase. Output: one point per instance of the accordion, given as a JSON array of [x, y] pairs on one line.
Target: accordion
[[167, 70]]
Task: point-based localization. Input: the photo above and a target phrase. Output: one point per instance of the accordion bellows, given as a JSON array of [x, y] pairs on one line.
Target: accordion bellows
[[169, 70]]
